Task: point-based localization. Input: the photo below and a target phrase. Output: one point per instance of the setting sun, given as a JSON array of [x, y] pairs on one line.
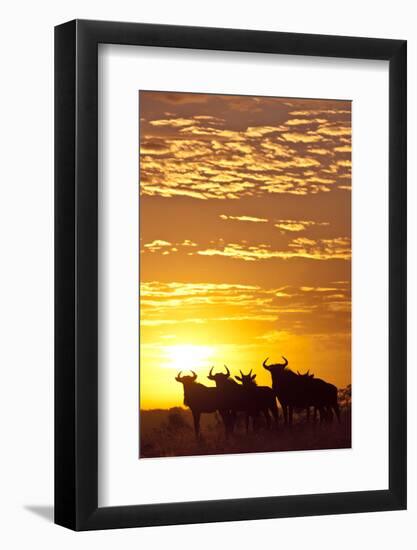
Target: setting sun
[[188, 356]]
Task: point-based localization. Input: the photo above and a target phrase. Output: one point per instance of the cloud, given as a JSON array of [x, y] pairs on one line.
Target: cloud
[[157, 246], [298, 122], [209, 118], [317, 289], [343, 149], [334, 130], [255, 317], [187, 242], [304, 121], [318, 112], [294, 226], [156, 288], [176, 303], [167, 303], [260, 131], [243, 218], [166, 247], [301, 138], [207, 156], [321, 249], [344, 163], [236, 146], [174, 122], [278, 149], [321, 152]]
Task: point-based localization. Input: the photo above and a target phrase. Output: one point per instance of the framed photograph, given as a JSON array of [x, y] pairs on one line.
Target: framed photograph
[[230, 284]]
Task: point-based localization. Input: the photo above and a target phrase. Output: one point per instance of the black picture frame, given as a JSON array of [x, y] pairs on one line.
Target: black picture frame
[[76, 273]]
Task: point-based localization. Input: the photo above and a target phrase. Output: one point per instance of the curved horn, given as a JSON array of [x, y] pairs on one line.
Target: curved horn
[[241, 373], [227, 370], [178, 377], [286, 362], [210, 376], [265, 366], [250, 372], [194, 375]]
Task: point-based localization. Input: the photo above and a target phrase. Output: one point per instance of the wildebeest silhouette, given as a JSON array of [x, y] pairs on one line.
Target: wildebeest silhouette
[[200, 399], [260, 399], [323, 415], [301, 391], [230, 394]]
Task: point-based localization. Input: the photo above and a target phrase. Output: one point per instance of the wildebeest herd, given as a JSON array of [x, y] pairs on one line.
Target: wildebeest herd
[[229, 397]]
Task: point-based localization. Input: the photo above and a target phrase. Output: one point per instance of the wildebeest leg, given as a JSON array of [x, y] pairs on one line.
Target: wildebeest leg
[[254, 417], [337, 412], [196, 418], [225, 418], [226, 421], [267, 418], [275, 414], [308, 414], [329, 414], [233, 420], [284, 412], [290, 411]]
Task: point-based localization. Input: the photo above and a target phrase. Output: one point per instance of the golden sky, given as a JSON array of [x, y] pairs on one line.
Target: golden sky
[[245, 237]]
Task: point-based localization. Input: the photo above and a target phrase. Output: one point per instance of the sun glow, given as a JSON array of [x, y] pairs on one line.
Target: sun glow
[[188, 356]]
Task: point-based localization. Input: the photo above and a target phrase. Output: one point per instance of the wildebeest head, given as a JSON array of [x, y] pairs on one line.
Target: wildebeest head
[[246, 379], [220, 378], [186, 380], [306, 374], [277, 368]]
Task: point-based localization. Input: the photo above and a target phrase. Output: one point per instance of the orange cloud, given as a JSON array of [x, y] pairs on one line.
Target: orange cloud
[[334, 130], [321, 151], [318, 112], [174, 122], [343, 149], [157, 246], [175, 304], [321, 249], [294, 226], [243, 218], [207, 156], [301, 138]]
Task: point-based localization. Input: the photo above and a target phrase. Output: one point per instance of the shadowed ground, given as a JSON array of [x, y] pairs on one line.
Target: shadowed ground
[[169, 433]]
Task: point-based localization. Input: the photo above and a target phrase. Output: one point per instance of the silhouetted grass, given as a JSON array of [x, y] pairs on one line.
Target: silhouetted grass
[[165, 433]]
